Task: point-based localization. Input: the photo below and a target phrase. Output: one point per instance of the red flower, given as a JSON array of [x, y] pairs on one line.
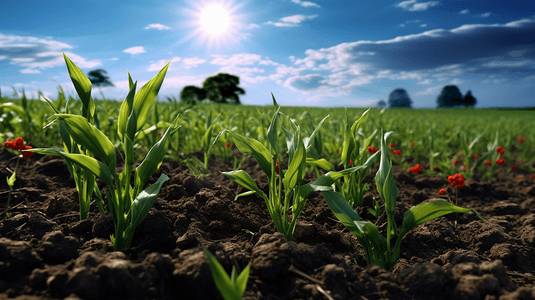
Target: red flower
[[465, 167], [519, 177], [454, 162], [521, 139], [277, 166], [337, 152], [396, 152], [461, 155], [457, 180], [18, 144], [500, 161], [474, 155], [159, 133], [413, 144], [442, 191], [513, 167], [435, 168], [533, 176], [500, 150], [27, 154], [416, 169], [228, 145], [391, 146], [350, 161], [487, 162], [372, 149]]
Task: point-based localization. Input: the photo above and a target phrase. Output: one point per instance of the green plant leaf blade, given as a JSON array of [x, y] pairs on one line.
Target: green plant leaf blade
[[146, 96], [81, 83], [244, 179], [223, 282], [90, 137], [321, 163], [422, 213], [145, 201], [84, 161], [260, 153]]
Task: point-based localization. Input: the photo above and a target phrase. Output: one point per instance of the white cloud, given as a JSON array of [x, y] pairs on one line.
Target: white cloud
[[430, 56], [135, 50], [192, 62], [157, 26], [464, 11], [423, 25], [292, 21], [487, 14], [157, 66], [241, 59], [35, 54], [412, 5], [305, 3]]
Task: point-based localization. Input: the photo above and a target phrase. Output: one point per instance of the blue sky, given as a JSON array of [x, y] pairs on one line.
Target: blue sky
[[308, 53]]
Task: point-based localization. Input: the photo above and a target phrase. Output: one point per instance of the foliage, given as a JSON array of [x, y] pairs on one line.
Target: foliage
[[84, 142], [399, 98], [99, 78], [379, 250], [223, 88], [192, 94], [381, 104], [231, 287], [449, 97], [469, 100]]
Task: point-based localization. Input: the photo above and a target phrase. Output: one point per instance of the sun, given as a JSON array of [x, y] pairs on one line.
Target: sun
[[214, 19], [214, 24]]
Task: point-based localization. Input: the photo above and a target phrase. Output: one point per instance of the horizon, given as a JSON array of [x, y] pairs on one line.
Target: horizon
[[307, 53]]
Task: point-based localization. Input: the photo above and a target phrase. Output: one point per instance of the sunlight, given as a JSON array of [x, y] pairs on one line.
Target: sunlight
[[214, 19], [214, 24]]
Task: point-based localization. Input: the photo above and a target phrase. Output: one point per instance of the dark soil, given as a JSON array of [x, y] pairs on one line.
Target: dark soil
[[46, 252]]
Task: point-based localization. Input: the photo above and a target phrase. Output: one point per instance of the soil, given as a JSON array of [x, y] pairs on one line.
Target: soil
[[46, 252]]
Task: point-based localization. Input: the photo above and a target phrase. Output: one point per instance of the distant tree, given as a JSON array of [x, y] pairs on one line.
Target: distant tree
[[469, 100], [223, 88], [192, 94], [450, 97], [381, 104], [399, 98], [99, 78]]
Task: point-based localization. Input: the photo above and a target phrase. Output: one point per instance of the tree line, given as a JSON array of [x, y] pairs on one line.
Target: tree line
[[220, 88], [449, 97]]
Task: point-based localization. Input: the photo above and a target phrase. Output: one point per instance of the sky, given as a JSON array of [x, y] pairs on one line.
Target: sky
[[307, 53]]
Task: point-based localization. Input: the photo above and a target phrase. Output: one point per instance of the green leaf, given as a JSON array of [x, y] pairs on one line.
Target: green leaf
[[296, 170], [244, 194], [127, 115], [273, 132], [90, 137], [145, 201], [146, 96], [260, 153], [241, 281], [84, 161], [390, 192], [11, 179], [422, 213], [223, 282], [81, 84], [359, 122], [380, 176], [349, 144], [322, 163], [12, 107], [154, 157], [244, 179]]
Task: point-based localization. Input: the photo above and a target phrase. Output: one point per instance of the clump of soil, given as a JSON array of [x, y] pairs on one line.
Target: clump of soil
[[46, 252]]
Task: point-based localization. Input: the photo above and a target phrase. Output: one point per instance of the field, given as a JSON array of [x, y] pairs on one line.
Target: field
[[47, 251]]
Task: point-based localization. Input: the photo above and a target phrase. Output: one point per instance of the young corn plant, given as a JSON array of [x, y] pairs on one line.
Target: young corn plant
[[378, 249], [83, 178], [230, 287], [286, 197], [128, 204]]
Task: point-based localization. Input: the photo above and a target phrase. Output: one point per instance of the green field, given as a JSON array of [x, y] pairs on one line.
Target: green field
[[434, 137]]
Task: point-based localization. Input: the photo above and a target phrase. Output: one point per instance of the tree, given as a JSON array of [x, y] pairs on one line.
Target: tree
[[449, 97], [192, 94], [381, 104], [469, 100], [399, 98], [99, 78], [223, 87]]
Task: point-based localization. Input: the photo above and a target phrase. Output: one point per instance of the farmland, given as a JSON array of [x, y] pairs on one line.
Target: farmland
[[52, 253]]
